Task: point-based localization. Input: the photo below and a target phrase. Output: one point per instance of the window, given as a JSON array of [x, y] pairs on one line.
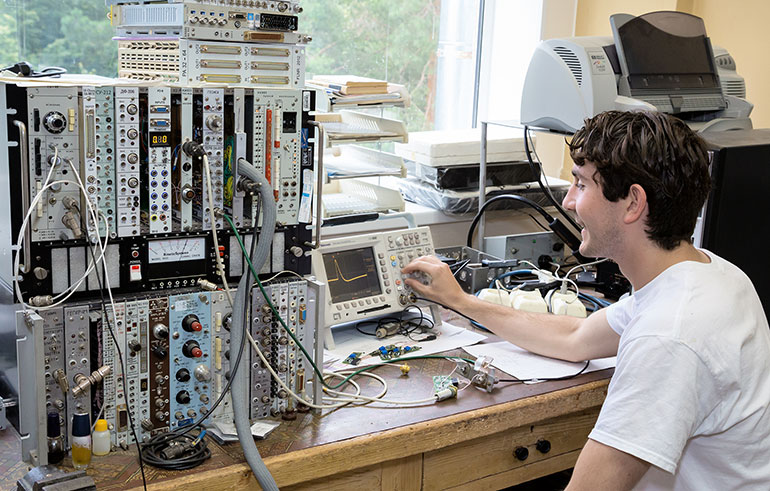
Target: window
[[430, 46]]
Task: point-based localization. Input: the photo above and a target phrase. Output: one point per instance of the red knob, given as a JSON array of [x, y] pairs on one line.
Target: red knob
[[196, 352], [196, 326]]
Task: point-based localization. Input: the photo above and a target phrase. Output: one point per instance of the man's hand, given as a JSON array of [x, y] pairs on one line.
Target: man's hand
[[443, 287]]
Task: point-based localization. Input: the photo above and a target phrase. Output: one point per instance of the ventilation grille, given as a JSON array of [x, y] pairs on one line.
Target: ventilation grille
[[155, 15], [572, 61], [735, 88], [725, 62]]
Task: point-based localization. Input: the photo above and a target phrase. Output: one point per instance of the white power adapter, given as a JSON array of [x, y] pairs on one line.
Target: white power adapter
[[565, 304], [529, 301], [495, 295]]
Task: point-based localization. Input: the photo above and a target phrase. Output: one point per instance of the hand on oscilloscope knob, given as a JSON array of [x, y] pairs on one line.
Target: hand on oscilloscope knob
[[442, 288]]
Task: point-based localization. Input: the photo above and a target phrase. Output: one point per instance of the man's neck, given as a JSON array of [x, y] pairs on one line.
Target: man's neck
[[645, 263]]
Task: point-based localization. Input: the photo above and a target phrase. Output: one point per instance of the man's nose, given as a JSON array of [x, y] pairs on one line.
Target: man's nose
[[569, 200]]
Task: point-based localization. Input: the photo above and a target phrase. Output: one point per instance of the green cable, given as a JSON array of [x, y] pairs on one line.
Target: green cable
[[270, 303], [286, 328]]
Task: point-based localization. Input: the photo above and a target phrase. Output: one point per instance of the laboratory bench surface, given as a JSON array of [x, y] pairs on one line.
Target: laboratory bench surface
[[479, 440]]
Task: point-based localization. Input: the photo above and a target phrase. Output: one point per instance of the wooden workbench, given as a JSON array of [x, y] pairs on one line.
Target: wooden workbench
[[463, 443]]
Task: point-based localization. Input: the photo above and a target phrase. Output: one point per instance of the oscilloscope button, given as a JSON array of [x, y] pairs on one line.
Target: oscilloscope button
[[382, 299], [388, 291], [375, 300], [380, 255], [368, 301], [339, 307], [387, 283], [393, 264], [347, 305], [392, 258]]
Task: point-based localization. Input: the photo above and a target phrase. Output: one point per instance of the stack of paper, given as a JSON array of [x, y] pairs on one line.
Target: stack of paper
[[351, 84]]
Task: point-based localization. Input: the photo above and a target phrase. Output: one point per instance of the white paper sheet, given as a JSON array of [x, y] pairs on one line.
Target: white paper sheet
[[349, 340], [522, 364]]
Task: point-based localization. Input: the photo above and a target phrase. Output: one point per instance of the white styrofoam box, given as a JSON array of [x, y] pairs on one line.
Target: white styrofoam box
[[456, 147], [530, 301]]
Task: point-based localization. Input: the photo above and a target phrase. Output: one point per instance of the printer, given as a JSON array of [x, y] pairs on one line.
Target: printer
[[660, 61]]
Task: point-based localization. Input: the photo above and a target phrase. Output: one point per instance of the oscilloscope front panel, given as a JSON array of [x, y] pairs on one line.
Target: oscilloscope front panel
[[150, 197], [363, 273]]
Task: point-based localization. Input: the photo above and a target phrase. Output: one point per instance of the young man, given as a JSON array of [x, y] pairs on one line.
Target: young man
[[688, 406]]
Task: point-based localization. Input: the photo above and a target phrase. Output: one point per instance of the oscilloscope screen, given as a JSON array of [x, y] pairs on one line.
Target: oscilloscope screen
[[351, 274]]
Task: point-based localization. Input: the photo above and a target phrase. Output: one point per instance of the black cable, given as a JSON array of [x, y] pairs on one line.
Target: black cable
[[514, 197], [547, 379], [448, 308], [537, 169], [157, 447], [120, 360]]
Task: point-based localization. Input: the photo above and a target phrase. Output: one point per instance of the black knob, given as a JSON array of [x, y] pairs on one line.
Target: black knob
[[183, 375], [134, 345], [191, 323], [183, 397], [521, 453], [191, 349], [227, 354], [543, 446], [159, 351], [227, 375]]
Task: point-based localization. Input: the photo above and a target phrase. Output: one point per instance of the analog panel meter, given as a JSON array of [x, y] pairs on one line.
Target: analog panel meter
[[178, 257], [173, 250]]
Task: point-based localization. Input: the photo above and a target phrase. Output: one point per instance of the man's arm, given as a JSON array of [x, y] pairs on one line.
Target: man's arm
[[603, 467], [557, 336]]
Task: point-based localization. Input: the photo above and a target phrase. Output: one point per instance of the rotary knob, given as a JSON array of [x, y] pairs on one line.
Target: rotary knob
[[134, 345], [160, 331], [183, 397], [183, 375], [54, 122], [214, 122]]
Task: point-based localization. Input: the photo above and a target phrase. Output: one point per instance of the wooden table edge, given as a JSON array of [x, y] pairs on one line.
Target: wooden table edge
[[366, 450]]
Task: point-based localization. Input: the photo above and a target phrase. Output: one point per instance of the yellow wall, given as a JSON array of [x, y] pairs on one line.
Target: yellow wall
[[593, 16], [735, 25], [740, 26]]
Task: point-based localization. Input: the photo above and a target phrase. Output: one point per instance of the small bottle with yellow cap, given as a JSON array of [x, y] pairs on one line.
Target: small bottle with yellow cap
[[101, 438]]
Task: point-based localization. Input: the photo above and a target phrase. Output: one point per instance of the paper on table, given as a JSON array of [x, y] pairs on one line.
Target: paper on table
[[349, 340], [522, 364]]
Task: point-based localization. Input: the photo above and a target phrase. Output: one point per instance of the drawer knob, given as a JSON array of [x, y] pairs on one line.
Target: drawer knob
[[521, 453], [543, 446]]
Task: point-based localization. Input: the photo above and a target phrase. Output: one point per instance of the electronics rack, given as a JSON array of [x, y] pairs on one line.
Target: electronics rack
[[125, 143]]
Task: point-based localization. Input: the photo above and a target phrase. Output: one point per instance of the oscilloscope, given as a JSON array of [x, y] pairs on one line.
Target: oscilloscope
[[362, 273]]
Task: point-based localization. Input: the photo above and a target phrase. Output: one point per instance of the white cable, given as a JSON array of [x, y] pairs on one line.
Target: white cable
[[281, 382], [20, 240], [276, 275], [384, 401]]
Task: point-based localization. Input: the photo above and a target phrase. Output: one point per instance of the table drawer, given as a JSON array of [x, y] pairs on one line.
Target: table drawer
[[497, 458]]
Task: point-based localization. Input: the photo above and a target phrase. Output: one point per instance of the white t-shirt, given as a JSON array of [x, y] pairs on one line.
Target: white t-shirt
[[691, 391]]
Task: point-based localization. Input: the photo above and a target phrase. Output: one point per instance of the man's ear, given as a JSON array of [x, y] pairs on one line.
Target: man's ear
[[636, 204]]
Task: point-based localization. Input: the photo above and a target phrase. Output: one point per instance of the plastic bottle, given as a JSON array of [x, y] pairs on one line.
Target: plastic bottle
[[81, 440], [55, 441], [100, 440]]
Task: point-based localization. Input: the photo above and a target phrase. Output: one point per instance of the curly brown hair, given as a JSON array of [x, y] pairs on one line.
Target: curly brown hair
[[660, 153]]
